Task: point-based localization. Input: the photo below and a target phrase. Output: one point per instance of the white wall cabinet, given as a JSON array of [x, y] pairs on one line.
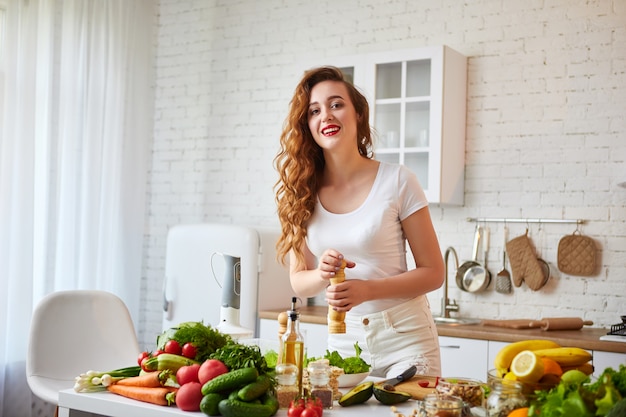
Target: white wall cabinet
[[418, 109]]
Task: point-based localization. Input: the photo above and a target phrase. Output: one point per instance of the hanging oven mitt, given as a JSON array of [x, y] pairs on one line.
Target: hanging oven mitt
[[524, 264], [577, 255]]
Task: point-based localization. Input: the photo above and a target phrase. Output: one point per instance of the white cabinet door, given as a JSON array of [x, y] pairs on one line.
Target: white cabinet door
[[466, 358], [603, 360]]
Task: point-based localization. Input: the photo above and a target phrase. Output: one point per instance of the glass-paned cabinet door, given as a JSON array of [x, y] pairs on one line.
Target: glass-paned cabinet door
[[402, 113]]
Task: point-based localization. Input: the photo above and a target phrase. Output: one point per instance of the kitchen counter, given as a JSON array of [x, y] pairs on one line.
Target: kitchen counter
[[72, 404], [585, 338]]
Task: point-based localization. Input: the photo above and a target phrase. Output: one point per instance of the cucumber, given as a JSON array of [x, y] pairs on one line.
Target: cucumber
[[230, 380], [255, 389], [210, 404], [271, 401], [236, 408]]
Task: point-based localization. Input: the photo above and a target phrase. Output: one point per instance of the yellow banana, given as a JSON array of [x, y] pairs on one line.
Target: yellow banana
[[505, 356], [586, 368], [565, 356]]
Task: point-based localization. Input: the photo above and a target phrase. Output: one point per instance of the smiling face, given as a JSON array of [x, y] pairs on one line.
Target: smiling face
[[332, 118]]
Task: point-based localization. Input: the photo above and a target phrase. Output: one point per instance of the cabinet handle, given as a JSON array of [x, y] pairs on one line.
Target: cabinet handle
[[451, 346]]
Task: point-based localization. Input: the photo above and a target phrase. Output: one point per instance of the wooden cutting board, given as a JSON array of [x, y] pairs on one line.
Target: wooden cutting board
[[413, 387]]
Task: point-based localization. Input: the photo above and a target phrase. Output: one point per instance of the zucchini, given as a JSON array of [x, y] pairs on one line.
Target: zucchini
[[168, 361], [255, 389], [236, 408], [230, 380]]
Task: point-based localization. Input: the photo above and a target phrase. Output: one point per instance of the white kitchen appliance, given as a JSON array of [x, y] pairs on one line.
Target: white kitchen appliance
[[193, 288]]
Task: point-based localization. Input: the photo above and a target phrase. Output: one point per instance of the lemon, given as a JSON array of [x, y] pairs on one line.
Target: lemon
[[527, 366]]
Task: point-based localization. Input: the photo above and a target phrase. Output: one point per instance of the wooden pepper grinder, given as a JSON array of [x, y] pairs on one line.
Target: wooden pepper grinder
[[282, 328], [336, 323]]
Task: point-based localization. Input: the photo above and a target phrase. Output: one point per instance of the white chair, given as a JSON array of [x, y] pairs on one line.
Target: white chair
[[73, 332]]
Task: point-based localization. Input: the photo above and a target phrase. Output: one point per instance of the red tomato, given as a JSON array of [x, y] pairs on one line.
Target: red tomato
[[188, 396], [189, 373], [315, 404], [189, 350], [143, 364], [141, 357], [295, 410], [210, 369], [173, 347], [310, 412], [157, 352]]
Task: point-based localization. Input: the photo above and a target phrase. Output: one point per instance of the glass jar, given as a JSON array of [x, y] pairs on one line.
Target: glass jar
[[287, 387], [505, 397], [319, 379], [471, 391], [437, 405]]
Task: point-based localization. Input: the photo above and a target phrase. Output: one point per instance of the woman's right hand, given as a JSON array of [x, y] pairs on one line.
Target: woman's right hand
[[330, 263]]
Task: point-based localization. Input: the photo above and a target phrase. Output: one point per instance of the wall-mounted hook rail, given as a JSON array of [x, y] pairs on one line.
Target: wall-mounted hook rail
[[507, 220]]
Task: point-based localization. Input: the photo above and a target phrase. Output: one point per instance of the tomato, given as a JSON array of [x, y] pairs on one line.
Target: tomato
[[423, 383], [189, 350], [157, 352], [189, 373], [188, 396], [173, 347], [143, 364], [295, 410], [141, 357], [315, 404], [310, 412], [210, 369]]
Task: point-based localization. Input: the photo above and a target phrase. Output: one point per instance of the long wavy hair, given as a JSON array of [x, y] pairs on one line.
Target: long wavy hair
[[300, 161]]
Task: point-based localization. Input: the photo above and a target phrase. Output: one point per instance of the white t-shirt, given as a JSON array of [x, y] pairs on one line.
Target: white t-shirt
[[372, 234]]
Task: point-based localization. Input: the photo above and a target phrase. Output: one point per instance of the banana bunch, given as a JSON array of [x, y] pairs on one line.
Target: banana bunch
[[567, 357]]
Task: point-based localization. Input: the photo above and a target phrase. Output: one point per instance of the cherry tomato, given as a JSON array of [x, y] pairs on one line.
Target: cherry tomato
[[315, 404], [310, 412], [141, 357], [143, 364], [296, 407], [173, 347], [157, 352], [189, 350]]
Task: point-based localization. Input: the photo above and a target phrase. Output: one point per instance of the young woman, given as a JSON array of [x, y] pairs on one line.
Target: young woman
[[336, 203]]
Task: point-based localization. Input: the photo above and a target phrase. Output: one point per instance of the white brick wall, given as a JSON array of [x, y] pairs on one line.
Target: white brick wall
[[545, 131]]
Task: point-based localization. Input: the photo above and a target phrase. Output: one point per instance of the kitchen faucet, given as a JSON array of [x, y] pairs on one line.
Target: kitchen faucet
[[446, 306]]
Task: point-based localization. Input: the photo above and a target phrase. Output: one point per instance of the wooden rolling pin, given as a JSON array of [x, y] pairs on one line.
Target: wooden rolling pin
[[561, 323], [336, 323]]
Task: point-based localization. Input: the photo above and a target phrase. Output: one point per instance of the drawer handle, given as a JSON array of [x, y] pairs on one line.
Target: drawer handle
[[451, 346]]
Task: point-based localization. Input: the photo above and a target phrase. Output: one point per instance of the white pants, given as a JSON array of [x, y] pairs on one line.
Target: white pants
[[393, 340]]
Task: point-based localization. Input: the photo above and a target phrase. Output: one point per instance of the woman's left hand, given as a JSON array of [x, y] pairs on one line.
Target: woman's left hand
[[346, 295]]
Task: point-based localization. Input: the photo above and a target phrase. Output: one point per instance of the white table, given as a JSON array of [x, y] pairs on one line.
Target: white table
[[73, 404]]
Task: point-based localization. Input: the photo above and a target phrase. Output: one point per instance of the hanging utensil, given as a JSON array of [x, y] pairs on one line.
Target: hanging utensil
[[477, 277], [503, 278], [465, 266]]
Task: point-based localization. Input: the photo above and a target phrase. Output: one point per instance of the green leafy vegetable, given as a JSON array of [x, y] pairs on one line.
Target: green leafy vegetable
[[352, 365], [237, 356], [581, 398], [205, 338]]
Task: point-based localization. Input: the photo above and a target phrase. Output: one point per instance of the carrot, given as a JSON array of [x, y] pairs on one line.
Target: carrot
[[150, 379], [153, 395]]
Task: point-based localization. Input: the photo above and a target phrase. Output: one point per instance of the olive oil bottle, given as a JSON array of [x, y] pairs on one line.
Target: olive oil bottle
[[293, 342]]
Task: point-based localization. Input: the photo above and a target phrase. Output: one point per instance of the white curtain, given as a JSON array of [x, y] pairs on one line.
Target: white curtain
[[74, 153]]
